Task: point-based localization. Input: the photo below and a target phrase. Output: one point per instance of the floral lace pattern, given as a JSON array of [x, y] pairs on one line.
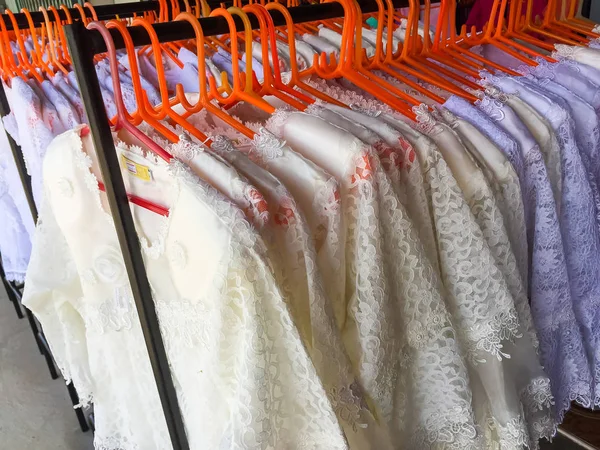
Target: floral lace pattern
[[485, 323], [561, 345], [258, 369]]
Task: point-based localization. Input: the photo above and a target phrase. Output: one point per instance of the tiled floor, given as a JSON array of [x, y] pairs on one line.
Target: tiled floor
[[35, 411]]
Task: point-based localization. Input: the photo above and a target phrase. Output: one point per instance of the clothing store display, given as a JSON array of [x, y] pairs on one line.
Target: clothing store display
[[347, 246]]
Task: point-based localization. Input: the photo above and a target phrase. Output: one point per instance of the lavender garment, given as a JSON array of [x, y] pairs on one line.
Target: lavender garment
[[107, 96], [71, 94], [589, 72], [587, 134], [223, 61], [34, 135], [257, 67], [581, 237], [567, 75], [579, 225], [561, 343], [49, 112], [66, 112]]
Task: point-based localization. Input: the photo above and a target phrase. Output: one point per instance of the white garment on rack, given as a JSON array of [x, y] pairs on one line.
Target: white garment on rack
[[378, 235], [243, 376]]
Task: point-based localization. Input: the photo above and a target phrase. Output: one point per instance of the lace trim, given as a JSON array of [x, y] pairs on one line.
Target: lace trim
[[565, 51], [426, 122], [268, 145], [367, 111], [492, 107]]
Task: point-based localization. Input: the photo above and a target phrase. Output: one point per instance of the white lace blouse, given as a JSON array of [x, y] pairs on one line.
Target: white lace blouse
[[243, 376], [393, 280]]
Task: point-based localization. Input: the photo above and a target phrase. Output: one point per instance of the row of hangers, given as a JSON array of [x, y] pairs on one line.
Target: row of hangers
[[413, 62]]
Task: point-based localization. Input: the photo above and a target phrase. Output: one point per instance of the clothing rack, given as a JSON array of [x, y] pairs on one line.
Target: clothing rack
[[83, 45], [14, 292]]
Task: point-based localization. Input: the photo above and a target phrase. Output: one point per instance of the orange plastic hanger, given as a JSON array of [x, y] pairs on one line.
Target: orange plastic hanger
[[123, 117], [427, 55], [386, 60], [410, 52], [203, 99], [556, 20], [36, 55], [395, 63], [53, 44], [350, 66], [89, 6], [135, 132], [145, 111], [493, 36], [447, 42], [295, 83], [524, 28], [271, 85], [573, 18], [9, 67], [242, 91], [82, 13]]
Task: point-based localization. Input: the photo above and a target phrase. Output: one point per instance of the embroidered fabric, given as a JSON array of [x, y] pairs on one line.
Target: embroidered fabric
[[504, 185], [578, 220], [71, 94], [481, 201], [311, 309], [402, 168], [567, 74], [583, 55], [66, 112], [49, 112], [219, 174], [538, 124], [366, 190], [252, 387], [15, 246], [318, 195]]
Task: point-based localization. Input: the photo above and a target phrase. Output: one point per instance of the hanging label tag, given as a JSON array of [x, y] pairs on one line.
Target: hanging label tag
[[137, 170]]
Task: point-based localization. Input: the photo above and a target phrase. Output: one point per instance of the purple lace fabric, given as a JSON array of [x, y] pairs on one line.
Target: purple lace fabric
[[587, 134], [578, 218], [568, 74], [561, 343]]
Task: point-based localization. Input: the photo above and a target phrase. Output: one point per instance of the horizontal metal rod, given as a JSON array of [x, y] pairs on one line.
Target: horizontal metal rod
[[211, 26], [103, 12]]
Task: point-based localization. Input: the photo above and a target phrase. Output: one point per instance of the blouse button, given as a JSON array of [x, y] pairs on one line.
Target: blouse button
[[65, 188], [177, 256]]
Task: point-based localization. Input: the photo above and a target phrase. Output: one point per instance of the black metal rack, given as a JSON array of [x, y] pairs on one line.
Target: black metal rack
[[14, 292], [83, 45]]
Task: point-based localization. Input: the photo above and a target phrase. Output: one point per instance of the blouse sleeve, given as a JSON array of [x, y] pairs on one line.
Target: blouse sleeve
[[53, 293]]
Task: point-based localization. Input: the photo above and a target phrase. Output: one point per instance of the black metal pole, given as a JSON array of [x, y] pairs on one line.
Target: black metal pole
[[103, 12], [82, 56], [9, 292], [211, 26]]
